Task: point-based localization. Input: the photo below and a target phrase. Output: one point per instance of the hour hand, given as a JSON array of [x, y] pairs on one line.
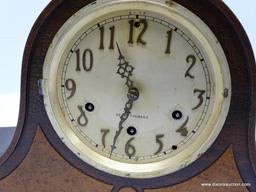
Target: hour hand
[[120, 53], [124, 69]]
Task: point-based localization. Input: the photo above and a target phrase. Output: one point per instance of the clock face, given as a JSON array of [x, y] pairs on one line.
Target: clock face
[[136, 89], [173, 81]]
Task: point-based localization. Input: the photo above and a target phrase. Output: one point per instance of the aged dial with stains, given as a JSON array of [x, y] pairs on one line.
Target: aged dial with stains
[[136, 89]]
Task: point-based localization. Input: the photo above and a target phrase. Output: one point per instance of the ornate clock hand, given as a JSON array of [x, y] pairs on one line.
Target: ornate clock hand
[[123, 118], [125, 70]]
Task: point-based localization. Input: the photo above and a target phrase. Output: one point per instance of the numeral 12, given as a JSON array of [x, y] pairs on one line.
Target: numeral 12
[[144, 29]]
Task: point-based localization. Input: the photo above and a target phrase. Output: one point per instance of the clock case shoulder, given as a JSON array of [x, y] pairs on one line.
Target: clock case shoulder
[[238, 131]]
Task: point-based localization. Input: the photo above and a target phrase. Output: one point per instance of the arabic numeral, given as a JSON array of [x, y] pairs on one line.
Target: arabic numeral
[[200, 98], [82, 119], [130, 150], [102, 35], [104, 134], [133, 23], [190, 59], [87, 60], [169, 40], [183, 129], [160, 143], [70, 85]]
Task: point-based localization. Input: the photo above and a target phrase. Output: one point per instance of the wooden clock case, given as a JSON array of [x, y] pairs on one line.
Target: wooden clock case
[[38, 161]]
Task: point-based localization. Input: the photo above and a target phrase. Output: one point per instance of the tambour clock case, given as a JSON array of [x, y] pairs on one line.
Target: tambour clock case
[[135, 96]]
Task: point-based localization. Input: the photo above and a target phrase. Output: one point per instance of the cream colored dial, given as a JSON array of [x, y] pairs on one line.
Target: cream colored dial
[[136, 89]]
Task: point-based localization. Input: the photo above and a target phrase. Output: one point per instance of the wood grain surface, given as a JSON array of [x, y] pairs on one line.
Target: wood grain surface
[[44, 170]]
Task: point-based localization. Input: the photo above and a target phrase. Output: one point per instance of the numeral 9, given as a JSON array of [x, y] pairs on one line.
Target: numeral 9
[[70, 85]]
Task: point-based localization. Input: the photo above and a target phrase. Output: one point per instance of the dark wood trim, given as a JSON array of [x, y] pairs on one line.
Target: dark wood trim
[[11, 159], [243, 156], [238, 130]]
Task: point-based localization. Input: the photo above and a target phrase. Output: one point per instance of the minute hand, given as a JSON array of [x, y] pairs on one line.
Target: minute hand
[[123, 118], [125, 70]]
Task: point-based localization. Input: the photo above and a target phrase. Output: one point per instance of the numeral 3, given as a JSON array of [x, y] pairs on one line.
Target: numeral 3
[[200, 97]]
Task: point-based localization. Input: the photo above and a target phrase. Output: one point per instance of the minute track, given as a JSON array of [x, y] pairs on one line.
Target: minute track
[[129, 83]]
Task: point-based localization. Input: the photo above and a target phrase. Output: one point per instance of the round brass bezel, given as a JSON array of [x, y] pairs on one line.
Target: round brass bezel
[[188, 20]]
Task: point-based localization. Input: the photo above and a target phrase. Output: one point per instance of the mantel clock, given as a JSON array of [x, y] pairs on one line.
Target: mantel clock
[[146, 95]]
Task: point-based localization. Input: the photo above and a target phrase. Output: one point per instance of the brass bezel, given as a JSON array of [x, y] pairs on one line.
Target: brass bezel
[[200, 31]]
